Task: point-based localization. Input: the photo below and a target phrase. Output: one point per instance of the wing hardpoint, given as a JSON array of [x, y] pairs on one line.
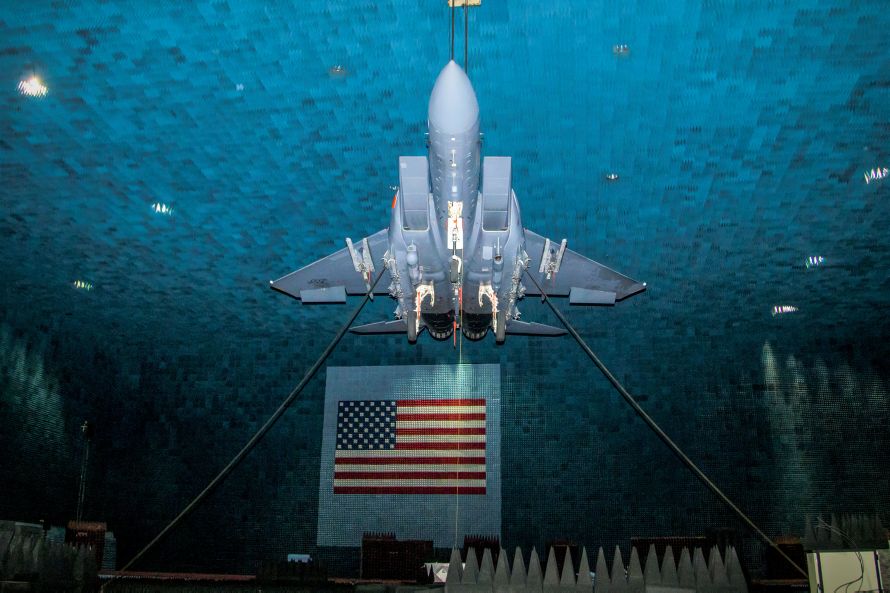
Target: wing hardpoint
[[583, 280], [331, 278]]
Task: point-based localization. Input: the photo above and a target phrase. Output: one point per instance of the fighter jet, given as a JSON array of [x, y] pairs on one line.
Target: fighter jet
[[455, 251]]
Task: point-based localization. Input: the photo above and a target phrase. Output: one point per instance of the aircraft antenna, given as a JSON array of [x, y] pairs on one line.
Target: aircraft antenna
[[452, 28]]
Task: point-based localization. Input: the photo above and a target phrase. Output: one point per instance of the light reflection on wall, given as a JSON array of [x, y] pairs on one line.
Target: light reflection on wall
[[819, 420], [30, 400]]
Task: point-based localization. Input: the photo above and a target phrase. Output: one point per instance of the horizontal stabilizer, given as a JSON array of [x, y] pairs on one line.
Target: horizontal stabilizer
[[522, 328], [397, 326]]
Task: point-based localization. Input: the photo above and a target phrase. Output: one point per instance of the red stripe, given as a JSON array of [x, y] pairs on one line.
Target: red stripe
[[440, 402], [409, 475], [409, 460], [409, 490], [401, 416], [431, 431], [440, 446]]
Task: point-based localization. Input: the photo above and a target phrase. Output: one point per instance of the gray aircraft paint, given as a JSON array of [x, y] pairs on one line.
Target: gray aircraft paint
[[463, 269]]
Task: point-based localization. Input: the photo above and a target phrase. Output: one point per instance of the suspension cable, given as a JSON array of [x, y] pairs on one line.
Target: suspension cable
[[466, 37], [255, 439], [452, 29], [659, 432]]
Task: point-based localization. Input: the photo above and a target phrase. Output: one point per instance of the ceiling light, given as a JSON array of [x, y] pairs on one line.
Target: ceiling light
[[814, 261], [82, 285], [611, 176], [784, 309], [32, 87], [622, 49], [338, 71], [160, 208], [876, 174]]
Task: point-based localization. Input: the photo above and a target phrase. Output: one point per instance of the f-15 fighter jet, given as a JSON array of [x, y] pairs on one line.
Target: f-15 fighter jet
[[455, 250]]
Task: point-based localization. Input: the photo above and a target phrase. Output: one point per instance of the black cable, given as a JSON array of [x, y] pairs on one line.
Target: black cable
[[855, 548], [255, 439], [658, 431], [452, 29], [466, 37]]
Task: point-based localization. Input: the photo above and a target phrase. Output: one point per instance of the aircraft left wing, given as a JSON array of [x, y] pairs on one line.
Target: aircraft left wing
[[572, 275], [331, 278]]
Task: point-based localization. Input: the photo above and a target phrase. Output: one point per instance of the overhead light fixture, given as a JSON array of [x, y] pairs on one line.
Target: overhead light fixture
[[876, 174], [621, 49], [611, 176], [32, 87], [784, 309], [814, 261], [82, 285], [161, 208], [338, 71]]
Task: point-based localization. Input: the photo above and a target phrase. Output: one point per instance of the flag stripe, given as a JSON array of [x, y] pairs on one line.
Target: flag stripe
[[440, 410], [439, 424], [409, 490], [408, 467], [409, 460], [440, 402], [440, 438], [403, 475], [439, 446], [391, 482], [409, 456], [439, 431], [454, 417]]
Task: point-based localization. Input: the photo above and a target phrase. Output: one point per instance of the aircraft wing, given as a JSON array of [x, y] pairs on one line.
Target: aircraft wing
[[331, 278], [583, 280]]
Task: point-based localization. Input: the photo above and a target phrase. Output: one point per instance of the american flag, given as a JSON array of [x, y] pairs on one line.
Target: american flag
[[410, 446]]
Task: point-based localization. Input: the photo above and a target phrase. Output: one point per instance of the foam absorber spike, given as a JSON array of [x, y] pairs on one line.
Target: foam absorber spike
[[584, 583], [518, 574], [603, 582], [652, 572], [534, 582]]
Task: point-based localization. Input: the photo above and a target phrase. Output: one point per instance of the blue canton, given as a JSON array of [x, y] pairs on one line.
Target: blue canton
[[368, 425]]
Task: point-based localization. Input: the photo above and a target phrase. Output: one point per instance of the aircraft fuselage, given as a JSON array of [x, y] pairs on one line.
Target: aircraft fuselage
[[455, 256]]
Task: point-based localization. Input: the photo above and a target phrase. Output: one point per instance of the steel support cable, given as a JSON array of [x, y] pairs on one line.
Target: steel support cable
[[659, 432], [452, 28], [466, 37], [256, 438]]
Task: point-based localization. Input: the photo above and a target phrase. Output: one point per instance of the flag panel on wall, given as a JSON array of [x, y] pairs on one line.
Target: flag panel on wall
[[413, 450]]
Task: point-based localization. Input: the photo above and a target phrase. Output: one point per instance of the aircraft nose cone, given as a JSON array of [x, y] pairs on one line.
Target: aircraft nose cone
[[453, 105]]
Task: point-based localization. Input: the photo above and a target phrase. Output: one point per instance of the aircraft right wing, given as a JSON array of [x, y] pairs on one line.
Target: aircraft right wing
[[331, 278], [583, 280]]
